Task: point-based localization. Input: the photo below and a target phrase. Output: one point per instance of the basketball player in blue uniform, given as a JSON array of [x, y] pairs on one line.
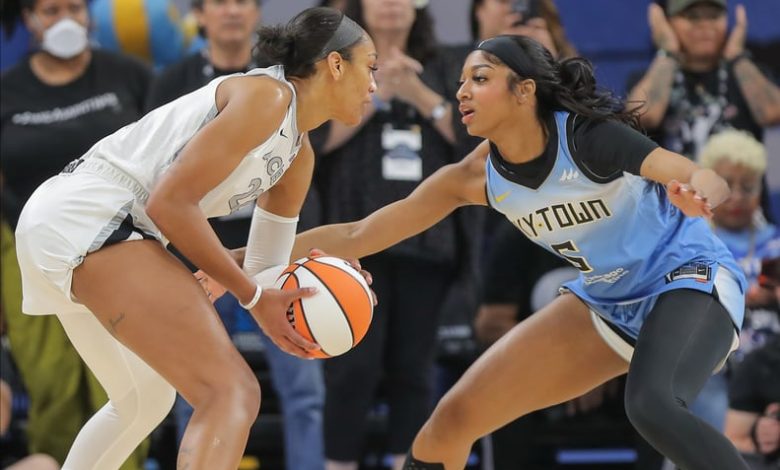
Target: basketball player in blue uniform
[[658, 296], [90, 241]]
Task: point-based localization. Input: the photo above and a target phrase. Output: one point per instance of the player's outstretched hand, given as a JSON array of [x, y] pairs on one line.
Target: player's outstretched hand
[[271, 314], [688, 200], [355, 263]]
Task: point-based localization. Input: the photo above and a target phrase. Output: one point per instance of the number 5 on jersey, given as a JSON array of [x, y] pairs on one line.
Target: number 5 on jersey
[[577, 261]]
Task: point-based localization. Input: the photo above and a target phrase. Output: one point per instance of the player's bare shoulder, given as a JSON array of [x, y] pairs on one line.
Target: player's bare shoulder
[[469, 175], [264, 92], [474, 162]]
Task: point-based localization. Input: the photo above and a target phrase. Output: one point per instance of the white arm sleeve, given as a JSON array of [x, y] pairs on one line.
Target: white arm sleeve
[[270, 243]]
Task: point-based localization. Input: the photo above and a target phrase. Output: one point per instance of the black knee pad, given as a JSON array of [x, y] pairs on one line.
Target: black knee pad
[[413, 464]]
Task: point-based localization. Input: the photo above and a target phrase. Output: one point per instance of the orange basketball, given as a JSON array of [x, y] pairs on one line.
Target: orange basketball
[[337, 317]]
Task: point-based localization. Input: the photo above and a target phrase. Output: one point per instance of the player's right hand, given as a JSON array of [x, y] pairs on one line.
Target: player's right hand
[[271, 314]]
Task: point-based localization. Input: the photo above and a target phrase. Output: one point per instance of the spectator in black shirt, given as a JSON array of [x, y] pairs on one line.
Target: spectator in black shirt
[[702, 80], [58, 102]]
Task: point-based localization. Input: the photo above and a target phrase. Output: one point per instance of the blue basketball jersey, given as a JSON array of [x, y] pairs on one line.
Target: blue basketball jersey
[[628, 241]]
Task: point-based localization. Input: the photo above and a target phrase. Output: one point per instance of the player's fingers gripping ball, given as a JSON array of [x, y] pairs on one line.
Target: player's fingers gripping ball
[[338, 316]]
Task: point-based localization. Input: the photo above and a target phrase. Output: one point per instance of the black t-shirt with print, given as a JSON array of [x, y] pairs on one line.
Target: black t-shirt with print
[[703, 104], [43, 127], [714, 102]]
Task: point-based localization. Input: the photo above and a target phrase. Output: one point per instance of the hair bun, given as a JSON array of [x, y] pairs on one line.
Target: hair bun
[[276, 45]]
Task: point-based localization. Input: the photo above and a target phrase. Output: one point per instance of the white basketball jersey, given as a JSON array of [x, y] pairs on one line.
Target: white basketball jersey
[[146, 148]]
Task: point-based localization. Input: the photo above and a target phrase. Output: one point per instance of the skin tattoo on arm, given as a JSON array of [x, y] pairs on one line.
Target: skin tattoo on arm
[[661, 77], [761, 95]]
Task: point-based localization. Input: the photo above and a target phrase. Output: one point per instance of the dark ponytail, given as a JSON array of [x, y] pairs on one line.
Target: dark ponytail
[[568, 85], [307, 38], [275, 45], [579, 93]]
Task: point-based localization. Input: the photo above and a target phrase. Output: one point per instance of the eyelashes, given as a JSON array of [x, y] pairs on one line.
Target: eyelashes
[[473, 79]]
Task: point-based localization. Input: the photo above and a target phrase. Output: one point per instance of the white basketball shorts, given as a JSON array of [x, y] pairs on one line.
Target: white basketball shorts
[[67, 217]]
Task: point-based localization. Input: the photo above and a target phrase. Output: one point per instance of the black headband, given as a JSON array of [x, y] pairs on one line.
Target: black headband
[[347, 34], [509, 52]]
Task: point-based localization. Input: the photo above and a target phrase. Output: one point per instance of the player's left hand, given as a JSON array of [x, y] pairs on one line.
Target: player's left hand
[[356, 265], [688, 200]]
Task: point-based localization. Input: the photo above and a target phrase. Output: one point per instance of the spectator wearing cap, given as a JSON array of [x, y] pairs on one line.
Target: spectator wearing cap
[[702, 79]]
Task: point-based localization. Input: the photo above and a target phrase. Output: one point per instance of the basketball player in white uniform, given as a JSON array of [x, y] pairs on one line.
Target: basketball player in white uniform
[[90, 241], [658, 296]]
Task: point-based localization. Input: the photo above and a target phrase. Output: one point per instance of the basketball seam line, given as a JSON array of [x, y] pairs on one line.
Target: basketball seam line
[[303, 312], [335, 297], [368, 296]]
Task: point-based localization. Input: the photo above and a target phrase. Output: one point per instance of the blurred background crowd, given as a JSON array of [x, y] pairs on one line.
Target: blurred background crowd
[[74, 71]]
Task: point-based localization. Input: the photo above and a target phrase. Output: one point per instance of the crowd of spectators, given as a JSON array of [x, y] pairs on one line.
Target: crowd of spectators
[[93, 66]]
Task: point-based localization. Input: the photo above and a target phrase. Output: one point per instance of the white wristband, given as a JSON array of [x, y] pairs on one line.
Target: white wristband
[[254, 300]]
